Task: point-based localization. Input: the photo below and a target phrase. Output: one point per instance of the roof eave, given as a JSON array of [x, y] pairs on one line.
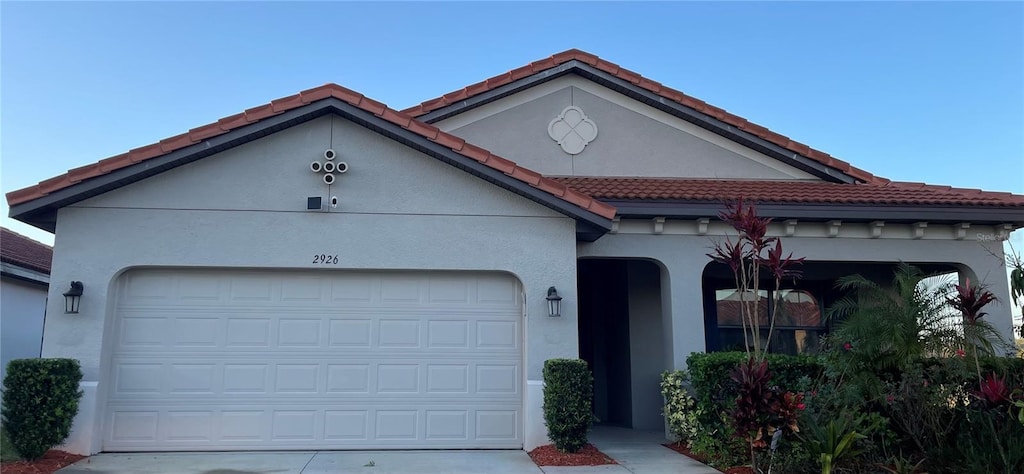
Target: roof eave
[[982, 215], [25, 273]]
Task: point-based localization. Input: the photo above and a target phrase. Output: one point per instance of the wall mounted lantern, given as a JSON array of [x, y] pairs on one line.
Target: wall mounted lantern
[[554, 303], [72, 297]]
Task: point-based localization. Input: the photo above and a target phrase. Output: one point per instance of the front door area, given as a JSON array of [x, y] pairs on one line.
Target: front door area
[[621, 332]]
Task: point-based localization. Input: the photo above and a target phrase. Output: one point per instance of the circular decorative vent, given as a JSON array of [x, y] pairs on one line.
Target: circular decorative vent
[[572, 130]]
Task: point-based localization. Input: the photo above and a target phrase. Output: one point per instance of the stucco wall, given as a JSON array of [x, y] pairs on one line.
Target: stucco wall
[[245, 208], [684, 258], [22, 306], [633, 139]]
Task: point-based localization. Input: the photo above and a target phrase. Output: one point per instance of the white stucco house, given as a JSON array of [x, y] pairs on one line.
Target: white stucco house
[[324, 272], [24, 282]]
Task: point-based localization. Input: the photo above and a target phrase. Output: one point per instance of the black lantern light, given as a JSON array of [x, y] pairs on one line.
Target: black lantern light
[[554, 303], [72, 297]]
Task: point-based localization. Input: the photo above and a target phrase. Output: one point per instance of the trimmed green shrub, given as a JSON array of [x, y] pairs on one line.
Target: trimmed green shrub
[[716, 394], [681, 410], [40, 402], [568, 394]]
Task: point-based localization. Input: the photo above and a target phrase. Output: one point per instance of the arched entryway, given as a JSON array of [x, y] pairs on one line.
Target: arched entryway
[[621, 334]]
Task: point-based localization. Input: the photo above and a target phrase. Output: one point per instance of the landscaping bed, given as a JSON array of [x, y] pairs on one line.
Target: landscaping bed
[[909, 376], [48, 464], [548, 455]]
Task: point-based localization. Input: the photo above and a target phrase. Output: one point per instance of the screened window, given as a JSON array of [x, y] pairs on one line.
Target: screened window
[[798, 321]]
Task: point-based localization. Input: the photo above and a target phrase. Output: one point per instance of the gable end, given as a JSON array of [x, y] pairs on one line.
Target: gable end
[[649, 92], [42, 211]]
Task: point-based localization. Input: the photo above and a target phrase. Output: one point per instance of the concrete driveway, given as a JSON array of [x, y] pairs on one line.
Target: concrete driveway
[[309, 462], [636, 452]]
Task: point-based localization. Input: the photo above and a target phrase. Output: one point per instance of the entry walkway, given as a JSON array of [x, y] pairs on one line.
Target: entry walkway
[[637, 452], [640, 452]]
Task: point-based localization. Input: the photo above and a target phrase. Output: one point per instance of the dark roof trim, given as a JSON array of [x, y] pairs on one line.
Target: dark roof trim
[[24, 274], [652, 99], [41, 212], [501, 92], [826, 212]]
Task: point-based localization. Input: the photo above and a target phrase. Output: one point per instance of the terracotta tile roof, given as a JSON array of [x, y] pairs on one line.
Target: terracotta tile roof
[[652, 86], [891, 193], [255, 114], [16, 249]]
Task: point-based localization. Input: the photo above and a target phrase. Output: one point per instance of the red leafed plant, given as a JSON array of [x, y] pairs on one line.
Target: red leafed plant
[[761, 409], [970, 300], [753, 251], [994, 391], [787, 409], [753, 404], [979, 335]]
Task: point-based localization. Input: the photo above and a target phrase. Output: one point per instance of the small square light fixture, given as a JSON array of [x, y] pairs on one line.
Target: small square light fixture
[[314, 203], [73, 297], [554, 303]]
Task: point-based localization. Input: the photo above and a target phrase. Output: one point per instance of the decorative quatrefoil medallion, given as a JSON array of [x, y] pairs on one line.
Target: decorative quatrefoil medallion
[[572, 130]]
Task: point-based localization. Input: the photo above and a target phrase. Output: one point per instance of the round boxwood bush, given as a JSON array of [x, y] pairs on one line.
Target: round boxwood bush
[[568, 391], [40, 402]]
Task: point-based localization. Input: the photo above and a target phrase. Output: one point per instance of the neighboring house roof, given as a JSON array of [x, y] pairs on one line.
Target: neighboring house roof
[[462, 99], [198, 140], [16, 249]]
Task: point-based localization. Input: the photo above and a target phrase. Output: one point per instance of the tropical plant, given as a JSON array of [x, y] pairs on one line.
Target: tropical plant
[[979, 335], [752, 252], [681, 411], [762, 411], [1019, 405], [715, 392], [832, 443], [994, 392], [901, 465], [883, 327]]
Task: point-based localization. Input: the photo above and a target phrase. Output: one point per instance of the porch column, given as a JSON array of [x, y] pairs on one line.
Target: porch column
[[988, 271], [686, 308]]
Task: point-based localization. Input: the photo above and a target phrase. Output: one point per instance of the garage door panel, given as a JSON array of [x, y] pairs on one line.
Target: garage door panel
[[188, 331], [346, 377], [297, 425], [155, 287], [269, 360]]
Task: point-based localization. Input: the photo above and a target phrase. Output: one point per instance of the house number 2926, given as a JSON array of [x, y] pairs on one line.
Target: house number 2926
[[325, 259]]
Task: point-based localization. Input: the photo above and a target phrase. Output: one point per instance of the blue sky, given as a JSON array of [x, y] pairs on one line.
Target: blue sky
[[909, 91]]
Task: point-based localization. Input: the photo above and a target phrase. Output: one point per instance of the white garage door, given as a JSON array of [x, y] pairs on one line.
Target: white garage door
[[215, 360]]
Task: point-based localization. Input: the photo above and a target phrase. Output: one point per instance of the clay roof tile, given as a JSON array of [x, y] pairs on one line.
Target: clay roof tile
[[777, 191], [16, 249]]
